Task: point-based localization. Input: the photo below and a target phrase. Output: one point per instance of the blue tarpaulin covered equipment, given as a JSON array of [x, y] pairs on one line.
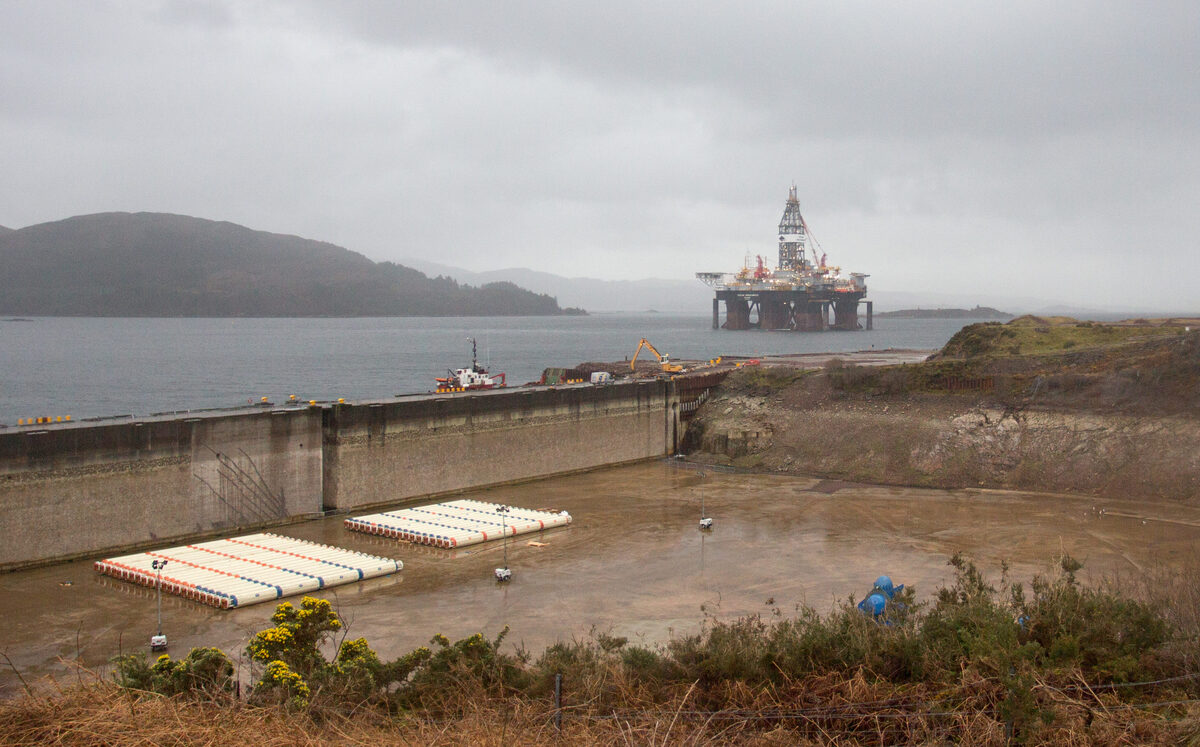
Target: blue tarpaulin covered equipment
[[881, 593]]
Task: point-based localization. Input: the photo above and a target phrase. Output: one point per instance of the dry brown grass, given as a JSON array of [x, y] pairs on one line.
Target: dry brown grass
[[836, 709]]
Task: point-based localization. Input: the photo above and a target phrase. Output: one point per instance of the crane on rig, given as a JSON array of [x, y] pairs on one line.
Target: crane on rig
[[664, 360]]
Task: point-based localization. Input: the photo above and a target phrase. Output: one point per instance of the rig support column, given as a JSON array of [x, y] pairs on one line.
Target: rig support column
[[773, 313], [717, 314], [809, 320], [845, 315], [737, 312], [870, 315]]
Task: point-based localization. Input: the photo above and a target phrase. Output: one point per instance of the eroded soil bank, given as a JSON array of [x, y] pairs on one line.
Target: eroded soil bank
[[953, 442], [1120, 421]]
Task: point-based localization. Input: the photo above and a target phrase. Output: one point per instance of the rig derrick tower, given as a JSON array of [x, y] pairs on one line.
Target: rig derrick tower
[[793, 235]]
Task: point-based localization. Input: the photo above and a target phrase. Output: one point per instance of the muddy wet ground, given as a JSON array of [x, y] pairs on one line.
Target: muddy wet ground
[[633, 563]]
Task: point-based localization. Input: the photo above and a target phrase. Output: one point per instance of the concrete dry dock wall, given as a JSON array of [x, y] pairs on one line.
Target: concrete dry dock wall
[[72, 490], [388, 452], [94, 488]]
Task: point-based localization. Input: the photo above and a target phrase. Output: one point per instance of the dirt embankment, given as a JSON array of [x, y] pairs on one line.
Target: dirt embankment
[[1118, 420]]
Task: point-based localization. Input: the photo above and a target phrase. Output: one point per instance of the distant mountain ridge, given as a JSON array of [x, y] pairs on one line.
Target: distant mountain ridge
[[979, 312], [160, 264], [657, 294]]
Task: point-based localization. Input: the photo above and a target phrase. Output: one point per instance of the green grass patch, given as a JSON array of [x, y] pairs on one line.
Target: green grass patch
[[1036, 336], [764, 380], [1113, 364]]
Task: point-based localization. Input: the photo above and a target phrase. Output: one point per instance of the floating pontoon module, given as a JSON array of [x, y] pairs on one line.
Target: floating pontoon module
[[457, 523], [246, 570]]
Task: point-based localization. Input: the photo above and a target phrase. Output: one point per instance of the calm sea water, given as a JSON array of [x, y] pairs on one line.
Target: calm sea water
[[90, 367]]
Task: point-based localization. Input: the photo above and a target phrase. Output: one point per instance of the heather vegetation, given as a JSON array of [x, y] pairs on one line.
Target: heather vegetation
[[1050, 662]]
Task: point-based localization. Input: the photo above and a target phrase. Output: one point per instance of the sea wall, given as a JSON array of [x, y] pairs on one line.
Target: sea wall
[[83, 489], [390, 452]]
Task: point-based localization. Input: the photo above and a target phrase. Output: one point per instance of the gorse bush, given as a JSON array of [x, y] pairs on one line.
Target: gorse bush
[[280, 683], [475, 660], [359, 668], [204, 670], [297, 636], [291, 652], [296, 671]]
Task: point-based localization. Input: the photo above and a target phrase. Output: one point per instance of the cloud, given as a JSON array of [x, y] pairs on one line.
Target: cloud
[[1052, 149]]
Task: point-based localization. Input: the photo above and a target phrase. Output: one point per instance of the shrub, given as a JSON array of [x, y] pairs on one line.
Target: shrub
[[297, 636], [203, 671], [648, 665], [281, 684], [475, 659], [296, 671], [969, 625], [359, 668], [1107, 636]]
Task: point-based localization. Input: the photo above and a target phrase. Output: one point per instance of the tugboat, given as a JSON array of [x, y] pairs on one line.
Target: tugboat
[[468, 379]]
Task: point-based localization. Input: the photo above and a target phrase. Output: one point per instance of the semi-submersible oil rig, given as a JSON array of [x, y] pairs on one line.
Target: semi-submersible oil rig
[[798, 295]]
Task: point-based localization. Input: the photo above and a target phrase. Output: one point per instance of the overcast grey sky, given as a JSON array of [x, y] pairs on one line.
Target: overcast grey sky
[[1038, 149]]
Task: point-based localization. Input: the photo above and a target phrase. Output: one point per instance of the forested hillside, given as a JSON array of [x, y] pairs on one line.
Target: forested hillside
[[156, 264]]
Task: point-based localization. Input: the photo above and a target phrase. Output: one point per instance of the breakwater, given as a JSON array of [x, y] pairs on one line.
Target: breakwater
[[84, 488]]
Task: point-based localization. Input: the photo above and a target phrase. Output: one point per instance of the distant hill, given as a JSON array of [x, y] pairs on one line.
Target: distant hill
[[5, 229], [681, 295], [157, 264], [979, 312]]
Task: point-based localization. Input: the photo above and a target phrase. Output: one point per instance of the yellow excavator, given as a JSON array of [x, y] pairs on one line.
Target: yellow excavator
[[665, 360]]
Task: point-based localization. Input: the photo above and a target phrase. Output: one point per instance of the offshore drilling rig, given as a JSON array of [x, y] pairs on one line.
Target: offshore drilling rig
[[798, 295]]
